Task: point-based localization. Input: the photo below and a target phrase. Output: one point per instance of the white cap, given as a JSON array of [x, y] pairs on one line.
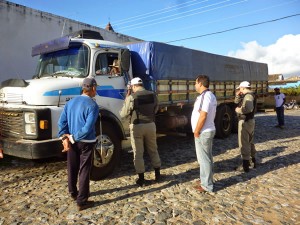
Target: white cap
[[136, 80], [244, 84]]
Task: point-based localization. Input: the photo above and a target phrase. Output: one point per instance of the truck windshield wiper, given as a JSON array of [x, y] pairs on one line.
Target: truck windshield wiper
[[67, 73]]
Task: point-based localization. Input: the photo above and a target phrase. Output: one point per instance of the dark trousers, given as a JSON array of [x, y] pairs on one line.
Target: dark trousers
[[280, 115], [79, 166]]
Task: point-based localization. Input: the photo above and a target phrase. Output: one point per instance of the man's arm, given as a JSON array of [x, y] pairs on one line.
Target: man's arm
[[127, 107], [200, 123], [247, 105], [63, 127], [283, 100]]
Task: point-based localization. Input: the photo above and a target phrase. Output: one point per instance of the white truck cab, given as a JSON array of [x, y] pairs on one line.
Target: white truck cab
[[30, 109]]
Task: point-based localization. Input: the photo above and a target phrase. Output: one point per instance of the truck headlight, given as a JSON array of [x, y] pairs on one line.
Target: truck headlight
[[29, 117], [30, 123], [30, 129]]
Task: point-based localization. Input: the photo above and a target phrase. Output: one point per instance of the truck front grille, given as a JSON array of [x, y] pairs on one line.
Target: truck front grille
[[11, 123]]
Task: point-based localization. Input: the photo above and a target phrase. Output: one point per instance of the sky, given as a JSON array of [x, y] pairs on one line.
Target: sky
[[266, 31]]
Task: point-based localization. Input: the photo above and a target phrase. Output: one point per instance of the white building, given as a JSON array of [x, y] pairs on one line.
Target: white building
[[23, 27]]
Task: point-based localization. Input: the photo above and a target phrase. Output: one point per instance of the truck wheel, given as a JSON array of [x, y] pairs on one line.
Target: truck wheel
[[223, 121], [108, 157]]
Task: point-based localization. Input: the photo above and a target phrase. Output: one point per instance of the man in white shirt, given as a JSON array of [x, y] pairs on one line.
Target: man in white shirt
[[204, 130], [279, 101]]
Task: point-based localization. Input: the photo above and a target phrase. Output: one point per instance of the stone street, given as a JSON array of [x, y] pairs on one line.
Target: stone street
[[36, 192]]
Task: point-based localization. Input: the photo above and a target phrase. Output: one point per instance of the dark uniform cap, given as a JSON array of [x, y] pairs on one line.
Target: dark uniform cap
[[88, 82]]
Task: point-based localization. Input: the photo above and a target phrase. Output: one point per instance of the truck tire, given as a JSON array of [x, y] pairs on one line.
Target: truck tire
[[104, 164], [223, 121]]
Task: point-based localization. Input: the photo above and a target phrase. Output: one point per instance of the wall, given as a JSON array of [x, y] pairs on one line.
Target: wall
[[23, 27]]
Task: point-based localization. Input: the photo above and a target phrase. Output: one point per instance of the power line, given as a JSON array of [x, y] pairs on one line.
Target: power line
[[164, 20], [218, 20], [157, 12], [236, 28]]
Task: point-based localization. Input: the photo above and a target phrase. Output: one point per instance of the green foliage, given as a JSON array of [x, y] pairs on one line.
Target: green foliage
[[291, 91]]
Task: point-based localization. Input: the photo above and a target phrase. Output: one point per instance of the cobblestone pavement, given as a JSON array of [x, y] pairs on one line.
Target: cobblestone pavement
[[36, 192]]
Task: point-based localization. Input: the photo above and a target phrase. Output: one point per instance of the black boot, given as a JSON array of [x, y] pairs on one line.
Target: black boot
[[141, 180], [157, 174], [246, 165], [254, 162]]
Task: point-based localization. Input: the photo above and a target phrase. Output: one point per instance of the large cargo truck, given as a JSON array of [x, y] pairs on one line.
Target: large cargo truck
[[171, 71], [29, 109]]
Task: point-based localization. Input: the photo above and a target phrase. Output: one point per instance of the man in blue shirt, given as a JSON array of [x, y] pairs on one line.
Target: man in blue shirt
[[76, 127]]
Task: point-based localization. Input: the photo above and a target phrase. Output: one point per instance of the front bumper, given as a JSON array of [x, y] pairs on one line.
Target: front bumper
[[30, 149]]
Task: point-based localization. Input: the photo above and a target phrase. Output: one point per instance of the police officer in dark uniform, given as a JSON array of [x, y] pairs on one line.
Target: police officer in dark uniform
[[246, 104], [140, 107]]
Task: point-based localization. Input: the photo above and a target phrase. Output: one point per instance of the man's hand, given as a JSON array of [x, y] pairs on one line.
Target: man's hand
[[128, 91], [66, 143], [196, 134]]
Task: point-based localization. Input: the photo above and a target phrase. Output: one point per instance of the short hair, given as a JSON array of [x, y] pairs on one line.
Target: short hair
[[204, 80], [88, 83]]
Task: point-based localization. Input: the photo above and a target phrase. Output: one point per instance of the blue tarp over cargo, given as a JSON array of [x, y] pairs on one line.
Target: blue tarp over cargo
[[159, 61]]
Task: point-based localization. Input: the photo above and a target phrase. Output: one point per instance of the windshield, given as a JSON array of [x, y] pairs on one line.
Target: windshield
[[71, 62]]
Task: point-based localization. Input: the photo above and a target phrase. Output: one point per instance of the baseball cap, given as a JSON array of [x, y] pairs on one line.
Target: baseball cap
[[88, 82], [276, 89], [115, 63], [244, 84], [136, 80]]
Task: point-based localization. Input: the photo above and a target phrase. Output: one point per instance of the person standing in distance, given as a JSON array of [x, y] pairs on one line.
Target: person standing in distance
[[77, 126], [279, 102], [141, 107], [204, 130], [245, 110]]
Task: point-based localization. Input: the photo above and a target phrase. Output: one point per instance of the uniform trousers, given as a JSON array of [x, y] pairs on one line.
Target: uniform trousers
[[143, 136], [79, 162], [245, 138]]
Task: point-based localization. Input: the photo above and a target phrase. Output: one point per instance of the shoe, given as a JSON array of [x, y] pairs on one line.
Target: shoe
[[142, 183], [85, 205], [281, 127], [199, 188], [141, 180], [74, 196], [157, 174], [254, 162], [198, 182], [277, 126], [245, 166]]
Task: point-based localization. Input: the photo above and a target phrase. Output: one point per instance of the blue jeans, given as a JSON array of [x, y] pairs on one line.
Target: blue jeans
[[203, 146], [280, 115]]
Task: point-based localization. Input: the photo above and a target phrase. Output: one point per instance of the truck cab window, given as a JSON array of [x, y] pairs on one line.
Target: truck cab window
[[104, 62]]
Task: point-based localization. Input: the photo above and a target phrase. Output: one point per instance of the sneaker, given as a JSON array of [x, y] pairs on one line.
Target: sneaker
[[85, 205]]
